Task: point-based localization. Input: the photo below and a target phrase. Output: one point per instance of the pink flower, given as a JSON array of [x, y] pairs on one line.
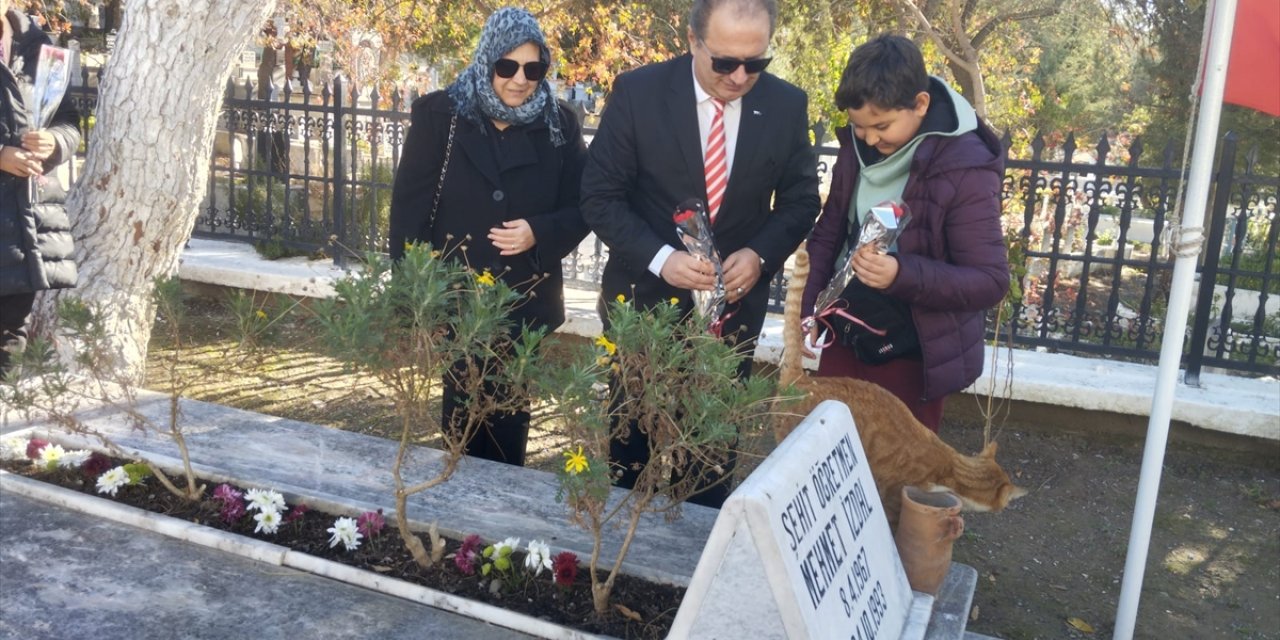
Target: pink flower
[[232, 511], [370, 523], [564, 568], [295, 514], [35, 446], [227, 494], [468, 555]]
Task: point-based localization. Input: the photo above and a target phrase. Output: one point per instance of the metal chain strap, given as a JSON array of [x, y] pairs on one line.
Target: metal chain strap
[[448, 151]]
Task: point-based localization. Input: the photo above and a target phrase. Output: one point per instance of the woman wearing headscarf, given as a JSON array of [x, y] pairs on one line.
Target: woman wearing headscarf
[[510, 185]]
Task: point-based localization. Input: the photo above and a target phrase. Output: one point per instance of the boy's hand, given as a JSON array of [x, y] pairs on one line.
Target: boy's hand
[[876, 270]]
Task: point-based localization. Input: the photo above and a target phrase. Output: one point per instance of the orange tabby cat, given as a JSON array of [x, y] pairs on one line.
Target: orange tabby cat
[[899, 449]]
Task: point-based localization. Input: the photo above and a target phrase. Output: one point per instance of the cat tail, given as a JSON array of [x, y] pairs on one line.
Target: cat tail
[[792, 333]]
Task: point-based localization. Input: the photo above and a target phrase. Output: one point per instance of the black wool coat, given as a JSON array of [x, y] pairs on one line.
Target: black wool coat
[[35, 240], [534, 180]]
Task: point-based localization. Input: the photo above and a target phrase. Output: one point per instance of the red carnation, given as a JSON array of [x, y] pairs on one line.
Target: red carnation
[[564, 567]]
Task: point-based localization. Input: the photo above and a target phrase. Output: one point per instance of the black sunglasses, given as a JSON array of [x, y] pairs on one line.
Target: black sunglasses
[[533, 71], [726, 66]]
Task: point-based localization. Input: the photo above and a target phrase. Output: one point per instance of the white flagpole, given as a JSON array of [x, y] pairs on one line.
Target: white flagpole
[[1187, 248]]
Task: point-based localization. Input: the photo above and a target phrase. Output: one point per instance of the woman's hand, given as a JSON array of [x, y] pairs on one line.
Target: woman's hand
[[19, 162], [40, 143], [513, 238]]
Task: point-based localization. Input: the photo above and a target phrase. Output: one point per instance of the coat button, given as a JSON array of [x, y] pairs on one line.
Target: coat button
[[498, 195]]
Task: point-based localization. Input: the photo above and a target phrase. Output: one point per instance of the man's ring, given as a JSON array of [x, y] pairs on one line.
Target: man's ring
[[739, 290]]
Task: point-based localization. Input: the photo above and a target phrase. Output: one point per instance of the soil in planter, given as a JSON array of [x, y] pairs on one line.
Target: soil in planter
[[641, 609]]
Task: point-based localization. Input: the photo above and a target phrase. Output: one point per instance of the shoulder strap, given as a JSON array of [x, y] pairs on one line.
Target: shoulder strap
[[448, 151]]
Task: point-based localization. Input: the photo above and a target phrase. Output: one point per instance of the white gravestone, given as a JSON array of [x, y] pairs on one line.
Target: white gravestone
[[802, 550]]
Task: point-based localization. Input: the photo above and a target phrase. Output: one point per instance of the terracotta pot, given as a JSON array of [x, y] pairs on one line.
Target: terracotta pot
[[927, 526]]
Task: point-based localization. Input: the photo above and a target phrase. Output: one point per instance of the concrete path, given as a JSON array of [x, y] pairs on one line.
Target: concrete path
[[66, 575]]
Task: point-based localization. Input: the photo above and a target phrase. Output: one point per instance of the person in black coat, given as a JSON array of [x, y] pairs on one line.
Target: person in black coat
[[654, 149], [35, 238], [514, 164]]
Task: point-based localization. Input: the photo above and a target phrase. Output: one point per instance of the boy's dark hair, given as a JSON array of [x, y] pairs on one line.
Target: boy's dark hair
[[887, 71]]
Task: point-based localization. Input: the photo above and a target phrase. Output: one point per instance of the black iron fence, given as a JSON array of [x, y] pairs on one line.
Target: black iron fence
[[1088, 228]]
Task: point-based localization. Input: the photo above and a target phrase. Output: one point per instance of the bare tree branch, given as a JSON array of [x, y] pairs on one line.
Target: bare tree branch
[[933, 33], [991, 25]]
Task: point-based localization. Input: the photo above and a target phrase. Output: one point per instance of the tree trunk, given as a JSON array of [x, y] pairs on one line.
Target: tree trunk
[[148, 159]]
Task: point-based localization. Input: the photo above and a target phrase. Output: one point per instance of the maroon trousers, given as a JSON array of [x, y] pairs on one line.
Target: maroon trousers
[[903, 378]]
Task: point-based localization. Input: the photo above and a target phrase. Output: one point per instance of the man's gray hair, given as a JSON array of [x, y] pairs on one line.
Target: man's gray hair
[[700, 14]]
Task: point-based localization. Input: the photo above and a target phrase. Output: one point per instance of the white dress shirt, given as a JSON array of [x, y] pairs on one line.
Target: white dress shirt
[[706, 113]]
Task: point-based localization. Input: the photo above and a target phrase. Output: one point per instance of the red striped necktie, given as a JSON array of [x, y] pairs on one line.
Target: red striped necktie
[[715, 164]]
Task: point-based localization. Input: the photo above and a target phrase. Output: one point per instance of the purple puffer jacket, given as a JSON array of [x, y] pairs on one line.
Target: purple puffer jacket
[[952, 260]]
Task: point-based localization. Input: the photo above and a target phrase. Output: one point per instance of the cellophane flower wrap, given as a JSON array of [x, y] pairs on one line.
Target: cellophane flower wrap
[[694, 228], [53, 72], [881, 227]]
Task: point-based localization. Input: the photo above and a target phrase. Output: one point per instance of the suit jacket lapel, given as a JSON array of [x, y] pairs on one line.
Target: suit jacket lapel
[[683, 116], [750, 133]]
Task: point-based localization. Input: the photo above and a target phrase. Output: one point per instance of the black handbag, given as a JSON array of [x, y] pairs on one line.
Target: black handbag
[[878, 327]]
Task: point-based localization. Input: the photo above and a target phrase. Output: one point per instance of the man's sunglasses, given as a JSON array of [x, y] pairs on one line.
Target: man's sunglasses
[[533, 71], [726, 66]]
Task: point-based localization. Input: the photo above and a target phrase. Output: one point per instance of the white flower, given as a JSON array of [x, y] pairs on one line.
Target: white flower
[[510, 544], [51, 455], [268, 521], [73, 459], [112, 480], [264, 500], [346, 531], [537, 557], [13, 448]]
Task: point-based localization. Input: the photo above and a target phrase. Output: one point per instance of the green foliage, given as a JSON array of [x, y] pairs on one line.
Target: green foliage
[[678, 384], [414, 322], [138, 472], [60, 392]]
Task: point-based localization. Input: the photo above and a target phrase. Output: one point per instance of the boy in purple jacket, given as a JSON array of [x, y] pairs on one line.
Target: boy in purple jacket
[[914, 140]]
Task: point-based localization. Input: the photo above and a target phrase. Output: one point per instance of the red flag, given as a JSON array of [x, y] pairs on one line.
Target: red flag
[[1253, 71]]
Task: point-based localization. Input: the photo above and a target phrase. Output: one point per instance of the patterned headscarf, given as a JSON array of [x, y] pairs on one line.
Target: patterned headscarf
[[473, 93]]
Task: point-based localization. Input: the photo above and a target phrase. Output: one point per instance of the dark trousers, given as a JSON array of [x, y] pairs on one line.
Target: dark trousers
[[502, 437], [15, 312], [630, 454]]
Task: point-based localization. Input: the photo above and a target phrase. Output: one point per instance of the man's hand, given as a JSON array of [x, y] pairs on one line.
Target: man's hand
[[40, 143], [876, 270], [741, 272], [686, 271], [19, 162]]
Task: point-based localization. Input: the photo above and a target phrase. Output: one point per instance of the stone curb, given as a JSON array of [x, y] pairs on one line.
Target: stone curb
[[282, 556]]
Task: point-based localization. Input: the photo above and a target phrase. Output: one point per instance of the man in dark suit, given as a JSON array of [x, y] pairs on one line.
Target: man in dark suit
[[669, 131]]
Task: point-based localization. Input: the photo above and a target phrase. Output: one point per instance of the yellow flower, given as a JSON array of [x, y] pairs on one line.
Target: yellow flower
[[675, 301], [262, 315], [485, 278], [621, 298], [575, 462], [609, 347], [435, 254]]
